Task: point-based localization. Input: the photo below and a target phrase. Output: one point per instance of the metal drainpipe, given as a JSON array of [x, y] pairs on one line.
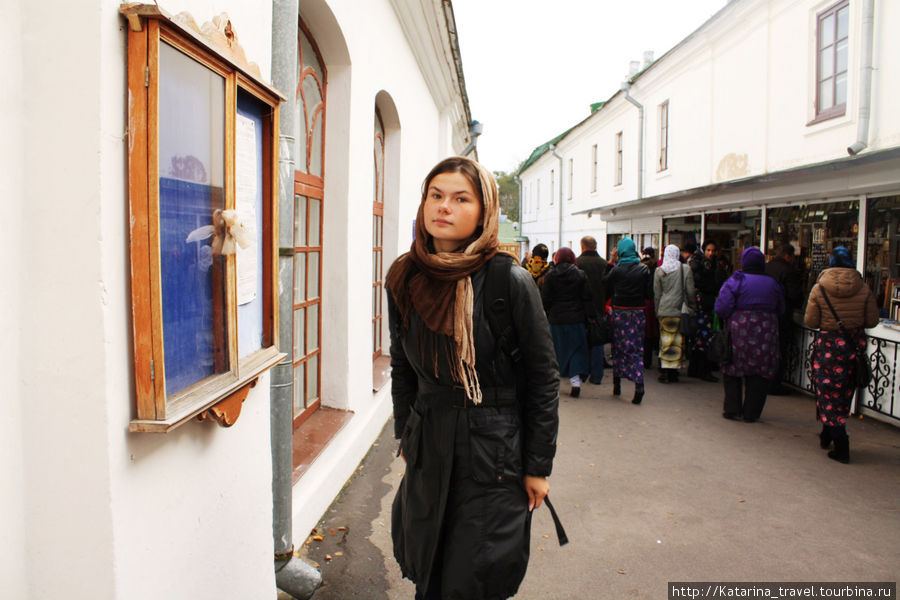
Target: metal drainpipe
[[865, 79], [626, 86], [292, 575], [560, 225]]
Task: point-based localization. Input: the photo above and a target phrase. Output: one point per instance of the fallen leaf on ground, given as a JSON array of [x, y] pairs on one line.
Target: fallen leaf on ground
[[621, 571], [331, 532], [546, 537], [318, 538], [342, 528], [540, 549], [338, 553], [741, 500], [327, 557]]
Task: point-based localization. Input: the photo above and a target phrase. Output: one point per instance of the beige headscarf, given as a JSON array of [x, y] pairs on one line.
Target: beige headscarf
[[441, 290]]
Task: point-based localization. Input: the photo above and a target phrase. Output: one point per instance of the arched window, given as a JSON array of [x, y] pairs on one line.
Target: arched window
[[309, 187], [378, 237]]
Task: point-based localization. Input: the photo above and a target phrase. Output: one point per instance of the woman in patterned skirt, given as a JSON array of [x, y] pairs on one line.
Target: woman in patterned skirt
[[750, 301], [834, 350], [628, 285]]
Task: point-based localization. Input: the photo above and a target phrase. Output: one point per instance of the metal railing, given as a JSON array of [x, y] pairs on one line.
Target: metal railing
[[880, 396]]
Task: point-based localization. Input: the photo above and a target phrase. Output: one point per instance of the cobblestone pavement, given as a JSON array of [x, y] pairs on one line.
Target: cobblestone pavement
[[665, 491]]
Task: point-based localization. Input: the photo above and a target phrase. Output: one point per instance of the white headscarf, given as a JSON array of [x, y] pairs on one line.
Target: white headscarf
[[671, 259]]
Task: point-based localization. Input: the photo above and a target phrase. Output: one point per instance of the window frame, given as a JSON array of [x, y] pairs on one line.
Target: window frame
[[571, 179], [552, 185], [662, 162], [617, 163], [594, 167], [835, 110], [219, 395]]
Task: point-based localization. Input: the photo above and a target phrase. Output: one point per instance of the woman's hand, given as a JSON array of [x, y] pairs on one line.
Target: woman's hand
[[537, 488]]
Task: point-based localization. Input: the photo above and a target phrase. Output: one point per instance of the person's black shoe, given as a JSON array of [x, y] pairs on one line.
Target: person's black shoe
[[731, 416], [749, 420], [824, 438], [617, 386], [779, 390], [638, 394], [841, 452], [709, 377], [664, 378], [575, 391]]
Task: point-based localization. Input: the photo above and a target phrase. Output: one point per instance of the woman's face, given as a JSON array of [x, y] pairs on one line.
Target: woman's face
[[452, 210]]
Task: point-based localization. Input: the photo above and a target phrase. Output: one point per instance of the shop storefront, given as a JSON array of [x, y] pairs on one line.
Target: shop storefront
[[814, 209]]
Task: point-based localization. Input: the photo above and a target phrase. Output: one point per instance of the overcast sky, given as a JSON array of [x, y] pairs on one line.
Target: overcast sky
[[533, 67]]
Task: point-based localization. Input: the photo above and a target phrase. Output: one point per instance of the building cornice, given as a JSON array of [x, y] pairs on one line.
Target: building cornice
[[430, 30]]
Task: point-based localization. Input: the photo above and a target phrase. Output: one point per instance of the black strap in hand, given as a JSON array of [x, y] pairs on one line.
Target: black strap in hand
[[560, 532]]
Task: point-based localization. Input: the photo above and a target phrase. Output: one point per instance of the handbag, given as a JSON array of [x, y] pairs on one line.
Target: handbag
[[599, 331], [720, 347], [687, 326], [863, 371]]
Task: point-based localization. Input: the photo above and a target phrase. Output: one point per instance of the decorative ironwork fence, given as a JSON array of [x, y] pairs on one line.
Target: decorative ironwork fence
[[880, 396]]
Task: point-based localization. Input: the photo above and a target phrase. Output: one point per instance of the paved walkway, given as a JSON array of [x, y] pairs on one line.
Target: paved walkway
[[665, 491]]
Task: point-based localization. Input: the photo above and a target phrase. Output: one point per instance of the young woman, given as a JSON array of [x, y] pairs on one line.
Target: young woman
[[836, 347], [477, 431], [628, 284]]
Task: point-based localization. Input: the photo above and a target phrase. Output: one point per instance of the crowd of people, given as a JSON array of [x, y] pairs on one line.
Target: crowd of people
[[664, 312], [478, 346]]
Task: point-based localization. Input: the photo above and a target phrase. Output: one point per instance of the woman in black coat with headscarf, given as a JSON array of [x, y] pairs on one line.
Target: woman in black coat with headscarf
[[567, 299], [478, 431]]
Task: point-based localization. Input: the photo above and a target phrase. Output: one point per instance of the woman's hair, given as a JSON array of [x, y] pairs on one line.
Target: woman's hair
[[565, 255], [455, 164]]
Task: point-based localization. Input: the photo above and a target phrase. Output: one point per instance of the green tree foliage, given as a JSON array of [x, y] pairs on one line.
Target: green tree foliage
[[509, 194]]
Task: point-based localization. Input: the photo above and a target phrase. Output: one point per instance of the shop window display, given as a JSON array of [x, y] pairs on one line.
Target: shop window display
[[733, 232], [883, 254], [814, 230]]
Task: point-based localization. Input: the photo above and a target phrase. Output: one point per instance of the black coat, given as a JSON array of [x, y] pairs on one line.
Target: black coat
[[595, 267], [786, 274], [567, 295], [707, 280], [629, 285], [462, 503]]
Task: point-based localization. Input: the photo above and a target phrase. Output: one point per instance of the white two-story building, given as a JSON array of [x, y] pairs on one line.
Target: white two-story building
[[773, 121]]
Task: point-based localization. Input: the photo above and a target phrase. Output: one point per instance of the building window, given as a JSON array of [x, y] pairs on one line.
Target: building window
[[537, 198], [594, 168], [309, 198], [617, 176], [663, 162], [202, 187], [832, 32], [552, 185], [571, 181], [377, 238]]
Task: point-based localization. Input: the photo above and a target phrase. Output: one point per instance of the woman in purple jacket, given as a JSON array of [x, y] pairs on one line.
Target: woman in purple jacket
[[750, 301]]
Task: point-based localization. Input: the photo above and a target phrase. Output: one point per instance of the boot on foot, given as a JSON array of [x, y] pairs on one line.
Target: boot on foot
[[638, 394]]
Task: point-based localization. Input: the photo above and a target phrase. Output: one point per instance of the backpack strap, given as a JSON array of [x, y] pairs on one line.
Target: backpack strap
[[497, 305]]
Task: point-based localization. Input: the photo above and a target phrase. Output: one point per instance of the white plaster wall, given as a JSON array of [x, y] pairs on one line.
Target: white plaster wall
[[65, 406], [184, 515], [13, 583]]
